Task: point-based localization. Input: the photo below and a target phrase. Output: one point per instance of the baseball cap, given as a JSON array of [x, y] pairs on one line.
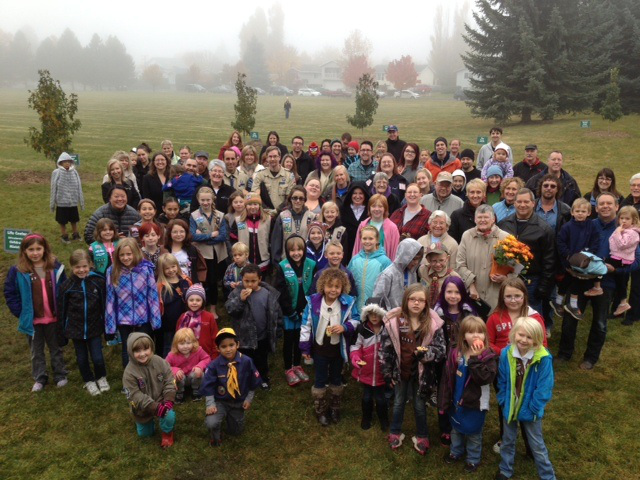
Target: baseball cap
[[444, 177]]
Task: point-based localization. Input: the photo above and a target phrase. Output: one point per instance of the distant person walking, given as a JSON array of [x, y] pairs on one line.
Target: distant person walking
[[287, 108]]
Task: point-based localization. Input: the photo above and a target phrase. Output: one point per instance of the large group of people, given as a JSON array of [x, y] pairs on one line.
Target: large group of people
[[376, 257]]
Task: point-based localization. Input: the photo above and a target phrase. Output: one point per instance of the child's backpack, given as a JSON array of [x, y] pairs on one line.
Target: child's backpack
[[587, 265]]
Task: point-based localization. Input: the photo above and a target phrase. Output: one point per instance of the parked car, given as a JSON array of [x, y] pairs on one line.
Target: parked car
[[259, 90], [194, 87], [422, 89], [460, 94], [308, 92], [381, 94], [280, 90], [406, 94], [336, 93], [222, 89]]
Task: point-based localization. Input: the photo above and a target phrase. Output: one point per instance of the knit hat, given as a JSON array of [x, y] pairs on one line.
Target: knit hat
[[373, 305], [440, 139], [319, 225], [225, 333], [196, 289], [253, 198], [354, 144], [458, 173], [495, 170], [467, 152], [502, 146]]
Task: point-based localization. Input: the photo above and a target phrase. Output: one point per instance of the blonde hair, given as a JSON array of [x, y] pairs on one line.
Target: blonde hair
[[371, 228], [477, 183], [205, 191], [581, 202], [117, 266], [335, 244], [166, 142], [240, 247], [326, 206], [182, 335], [79, 255], [110, 164], [631, 212], [532, 327], [166, 260], [472, 324]]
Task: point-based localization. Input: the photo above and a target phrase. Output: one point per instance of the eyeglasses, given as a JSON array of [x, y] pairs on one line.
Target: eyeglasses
[[513, 298], [297, 199], [417, 300], [409, 151], [551, 186]]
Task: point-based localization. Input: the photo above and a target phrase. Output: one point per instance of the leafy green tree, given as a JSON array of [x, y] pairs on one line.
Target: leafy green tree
[[56, 112], [245, 107], [612, 109], [366, 102]]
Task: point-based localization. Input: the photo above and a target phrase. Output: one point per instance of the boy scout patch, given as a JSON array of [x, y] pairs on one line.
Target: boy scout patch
[[221, 391], [160, 377], [141, 384]]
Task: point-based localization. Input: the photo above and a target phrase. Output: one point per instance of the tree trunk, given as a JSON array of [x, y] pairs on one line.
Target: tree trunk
[[526, 115]]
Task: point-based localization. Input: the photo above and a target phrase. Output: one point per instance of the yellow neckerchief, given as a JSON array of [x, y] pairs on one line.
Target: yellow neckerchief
[[232, 380]]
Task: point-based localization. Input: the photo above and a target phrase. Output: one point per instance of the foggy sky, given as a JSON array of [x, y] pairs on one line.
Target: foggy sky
[[165, 29]]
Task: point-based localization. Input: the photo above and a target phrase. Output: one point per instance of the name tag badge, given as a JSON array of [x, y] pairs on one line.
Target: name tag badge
[[459, 373], [241, 225]]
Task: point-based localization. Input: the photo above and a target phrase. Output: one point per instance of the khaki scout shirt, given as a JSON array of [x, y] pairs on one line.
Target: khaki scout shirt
[[279, 186]]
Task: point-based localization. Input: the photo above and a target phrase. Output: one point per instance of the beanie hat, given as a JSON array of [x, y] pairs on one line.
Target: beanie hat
[[196, 289], [440, 139], [458, 173], [319, 225], [495, 170], [237, 150], [467, 152], [354, 144], [253, 198], [502, 146]]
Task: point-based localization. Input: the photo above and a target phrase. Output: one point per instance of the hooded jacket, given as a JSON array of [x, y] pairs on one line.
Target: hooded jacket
[[348, 218], [393, 281], [66, 188], [81, 305], [146, 385], [366, 268], [367, 349], [449, 164]]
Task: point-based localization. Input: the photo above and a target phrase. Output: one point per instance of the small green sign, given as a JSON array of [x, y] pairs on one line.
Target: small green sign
[[75, 157], [255, 136], [13, 239], [585, 123], [482, 140], [385, 128]]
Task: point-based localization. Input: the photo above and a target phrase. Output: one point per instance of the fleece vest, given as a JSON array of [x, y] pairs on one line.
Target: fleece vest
[[292, 279]]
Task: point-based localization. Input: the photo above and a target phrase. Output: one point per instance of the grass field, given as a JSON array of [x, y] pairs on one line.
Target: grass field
[[590, 426]]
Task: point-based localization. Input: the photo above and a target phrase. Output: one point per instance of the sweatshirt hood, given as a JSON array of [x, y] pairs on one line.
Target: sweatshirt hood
[[407, 250], [134, 337], [64, 157], [362, 186]]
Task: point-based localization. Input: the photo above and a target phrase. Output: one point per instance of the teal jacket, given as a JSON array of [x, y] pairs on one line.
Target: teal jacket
[[366, 268]]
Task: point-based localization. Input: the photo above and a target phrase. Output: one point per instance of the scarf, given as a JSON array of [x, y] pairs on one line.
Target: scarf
[[434, 288], [329, 317], [192, 320], [233, 387]]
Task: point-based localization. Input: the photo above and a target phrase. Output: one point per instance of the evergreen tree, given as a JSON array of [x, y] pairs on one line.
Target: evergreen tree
[[19, 63], [69, 57], [611, 109], [56, 113], [245, 107], [255, 63], [366, 102]]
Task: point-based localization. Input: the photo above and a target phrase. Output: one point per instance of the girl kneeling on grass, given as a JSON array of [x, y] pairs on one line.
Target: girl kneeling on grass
[[465, 391], [188, 361], [412, 342], [30, 292], [327, 316]]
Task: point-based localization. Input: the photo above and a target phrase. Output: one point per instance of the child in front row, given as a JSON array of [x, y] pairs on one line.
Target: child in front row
[[150, 388], [329, 314], [255, 314], [30, 292], [465, 391], [81, 303], [229, 386], [198, 319], [188, 361], [525, 384], [367, 368]]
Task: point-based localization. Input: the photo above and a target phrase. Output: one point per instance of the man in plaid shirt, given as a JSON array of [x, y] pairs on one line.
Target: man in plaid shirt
[[361, 171]]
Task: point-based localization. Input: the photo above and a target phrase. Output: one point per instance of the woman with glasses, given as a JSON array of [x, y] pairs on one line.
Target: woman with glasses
[[605, 182], [294, 219]]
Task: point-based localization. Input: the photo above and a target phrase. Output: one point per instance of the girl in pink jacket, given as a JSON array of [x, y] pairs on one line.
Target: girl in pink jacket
[[367, 367], [188, 361]]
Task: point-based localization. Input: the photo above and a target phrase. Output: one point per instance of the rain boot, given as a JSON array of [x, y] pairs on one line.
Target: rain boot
[[336, 392], [320, 405], [167, 439]]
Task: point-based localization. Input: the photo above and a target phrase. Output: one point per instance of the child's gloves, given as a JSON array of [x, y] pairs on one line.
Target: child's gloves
[[163, 409]]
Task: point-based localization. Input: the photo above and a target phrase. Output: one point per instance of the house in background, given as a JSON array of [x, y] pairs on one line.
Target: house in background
[[463, 77], [425, 75], [171, 67], [381, 76], [327, 75]]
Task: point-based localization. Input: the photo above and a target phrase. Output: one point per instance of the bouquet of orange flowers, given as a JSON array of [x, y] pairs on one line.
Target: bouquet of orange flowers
[[512, 254]]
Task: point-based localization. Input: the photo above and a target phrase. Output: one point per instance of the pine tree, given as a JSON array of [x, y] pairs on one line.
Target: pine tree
[[245, 107], [366, 102], [612, 109], [56, 113], [255, 62]]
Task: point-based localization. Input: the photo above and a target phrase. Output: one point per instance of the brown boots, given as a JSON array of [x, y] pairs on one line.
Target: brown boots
[[320, 405], [336, 392]]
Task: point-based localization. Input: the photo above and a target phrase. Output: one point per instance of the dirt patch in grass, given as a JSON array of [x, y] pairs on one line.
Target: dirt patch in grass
[[606, 134], [32, 177]]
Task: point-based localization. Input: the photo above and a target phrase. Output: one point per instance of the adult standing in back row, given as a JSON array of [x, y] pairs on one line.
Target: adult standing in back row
[[441, 160], [394, 144]]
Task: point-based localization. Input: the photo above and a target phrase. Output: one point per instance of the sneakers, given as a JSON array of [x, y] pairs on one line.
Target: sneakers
[[450, 459], [62, 383], [421, 445], [594, 292], [300, 373], [586, 365], [395, 441], [445, 440], [308, 361], [557, 307], [265, 386], [497, 446], [92, 388], [103, 385], [37, 387], [215, 442], [196, 397], [65, 239], [471, 467], [292, 378], [167, 440], [623, 307], [75, 236], [179, 398], [574, 312]]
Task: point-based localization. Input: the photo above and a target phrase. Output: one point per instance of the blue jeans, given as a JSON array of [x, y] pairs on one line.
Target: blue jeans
[[474, 446], [634, 297], [538, 448], [126, 330], [328, 370], [93, 347], [167, 425], [404, 390], [532, 285]]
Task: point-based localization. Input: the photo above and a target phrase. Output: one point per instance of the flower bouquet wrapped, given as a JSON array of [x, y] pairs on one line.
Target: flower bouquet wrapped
[[510, 255]]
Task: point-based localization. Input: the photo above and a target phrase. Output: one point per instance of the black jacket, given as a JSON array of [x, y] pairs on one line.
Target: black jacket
[[525, 171], [462, 220], [222, 197], [81, 306], [305, 165], [540, 238], [347, 217], [395, 148], [152, 189]]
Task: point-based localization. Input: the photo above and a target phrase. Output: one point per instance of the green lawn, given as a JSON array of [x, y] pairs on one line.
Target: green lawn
[[591, 424]]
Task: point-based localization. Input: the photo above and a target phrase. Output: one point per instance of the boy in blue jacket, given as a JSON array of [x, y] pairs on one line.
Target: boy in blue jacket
[[525, 383], [229, 386]]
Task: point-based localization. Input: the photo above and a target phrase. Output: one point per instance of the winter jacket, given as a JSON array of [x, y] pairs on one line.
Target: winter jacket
[[366, 268], [183, 187], [414, 228], [81, 306], [349, 319], [540, 238], [208, 331], [525, 171], [292, 299], [576, 237], [17, 294], [499, 326], [395, 279], [483, 369], [506, 167], [486, 153], [66, 187], [199, 359], [449, 205], [537, 386], [623, 244], [395, 147], [473, 262], [462, 220], [502, 210], [449, 164], [563, 214], [606, 230], [390, 353], [389, 238], [152, 189], [134, 301], [123, 219], [348, 218], [367, 349], [147, 385], [242, 318], [570, 189], [214, 383]]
